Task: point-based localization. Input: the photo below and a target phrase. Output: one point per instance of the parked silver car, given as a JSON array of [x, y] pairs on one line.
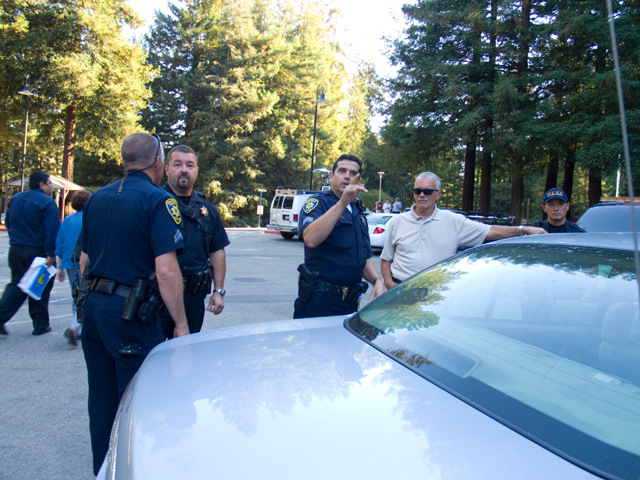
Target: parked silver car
[[518, 359], [610, 216]]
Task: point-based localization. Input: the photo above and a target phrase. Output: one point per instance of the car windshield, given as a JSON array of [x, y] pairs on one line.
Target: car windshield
[[378, 219], [545, 339]]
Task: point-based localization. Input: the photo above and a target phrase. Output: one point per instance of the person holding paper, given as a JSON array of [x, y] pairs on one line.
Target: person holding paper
[[32, 222]]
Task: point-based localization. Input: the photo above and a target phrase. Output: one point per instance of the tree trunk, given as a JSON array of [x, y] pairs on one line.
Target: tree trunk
[[595, 185], [552, 173], [517, 157], [517, 186], [569, 167], [485, 182], [69, 142], [469, 176], [193, 97], [484, 204]]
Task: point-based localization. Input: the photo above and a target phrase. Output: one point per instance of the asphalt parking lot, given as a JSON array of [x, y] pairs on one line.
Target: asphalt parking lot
[[44, 430]]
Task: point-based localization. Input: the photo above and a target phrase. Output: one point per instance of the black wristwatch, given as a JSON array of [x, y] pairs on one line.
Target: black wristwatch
[[221, 291]]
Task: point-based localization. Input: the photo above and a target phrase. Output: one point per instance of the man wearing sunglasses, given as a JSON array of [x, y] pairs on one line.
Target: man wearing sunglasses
[[425, 235], [130, 234]]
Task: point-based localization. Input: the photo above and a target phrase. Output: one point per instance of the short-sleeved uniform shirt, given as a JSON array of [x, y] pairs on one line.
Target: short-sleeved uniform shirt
[[414, 243], [341, 258], [202, 230], [124, 231], [567, 227]]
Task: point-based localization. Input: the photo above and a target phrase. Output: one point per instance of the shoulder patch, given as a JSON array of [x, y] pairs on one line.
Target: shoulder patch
[[174, 211], [309, 205]]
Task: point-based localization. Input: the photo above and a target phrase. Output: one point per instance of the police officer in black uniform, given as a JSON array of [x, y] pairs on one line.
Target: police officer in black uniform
[[203, 259], [555, 203], [130, 236], [337, 252]]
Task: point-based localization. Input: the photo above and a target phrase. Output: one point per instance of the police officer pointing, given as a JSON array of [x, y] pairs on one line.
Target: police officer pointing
[[203, 258], [337, 252], [130, 236]]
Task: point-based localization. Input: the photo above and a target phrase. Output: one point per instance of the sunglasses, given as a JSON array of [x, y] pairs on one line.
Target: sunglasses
[[157, 149], [426, 191]]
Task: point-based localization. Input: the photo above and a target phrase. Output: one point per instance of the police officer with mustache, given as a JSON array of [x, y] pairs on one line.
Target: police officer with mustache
[[203, 260]]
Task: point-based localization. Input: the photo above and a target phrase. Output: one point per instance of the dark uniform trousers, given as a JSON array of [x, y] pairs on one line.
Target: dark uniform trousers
[[193, 307], [103, 332], [20, 258], [323, 305]]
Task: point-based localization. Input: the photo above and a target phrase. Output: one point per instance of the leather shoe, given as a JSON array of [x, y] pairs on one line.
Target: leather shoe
[[70, 335], [3, 331], [41, 331]]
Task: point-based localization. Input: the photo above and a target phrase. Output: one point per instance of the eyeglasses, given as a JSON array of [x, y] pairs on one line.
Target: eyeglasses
[[157, 149], [426, 191]]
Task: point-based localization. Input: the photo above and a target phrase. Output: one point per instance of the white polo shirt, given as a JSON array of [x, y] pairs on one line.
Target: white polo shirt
[[414, 243]]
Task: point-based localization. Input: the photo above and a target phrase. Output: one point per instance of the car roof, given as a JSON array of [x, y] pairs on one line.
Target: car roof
[[610, 240]]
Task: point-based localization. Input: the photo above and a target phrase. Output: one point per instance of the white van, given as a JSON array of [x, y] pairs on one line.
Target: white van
[[285, 211]]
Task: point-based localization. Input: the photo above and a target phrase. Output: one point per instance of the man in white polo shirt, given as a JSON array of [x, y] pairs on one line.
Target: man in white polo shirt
[[425, 234]]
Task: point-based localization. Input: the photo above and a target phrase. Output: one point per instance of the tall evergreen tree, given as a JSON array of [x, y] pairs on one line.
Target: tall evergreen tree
[[89, 79], [236, 82]]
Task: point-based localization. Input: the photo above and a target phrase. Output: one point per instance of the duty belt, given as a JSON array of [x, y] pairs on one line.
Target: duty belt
[[108, 287], [338, 290], [198, 282]]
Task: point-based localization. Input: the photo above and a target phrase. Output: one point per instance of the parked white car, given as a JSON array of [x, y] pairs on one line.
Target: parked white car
[[378, 227]]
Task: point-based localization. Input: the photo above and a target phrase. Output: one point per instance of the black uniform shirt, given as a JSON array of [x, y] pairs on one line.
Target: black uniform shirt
[[341, 258], [202, 230], [567, 227], [124, 231]]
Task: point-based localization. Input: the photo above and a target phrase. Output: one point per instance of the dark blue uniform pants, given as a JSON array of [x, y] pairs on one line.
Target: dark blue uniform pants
[[323, 305], [109, 372], [20, 258], [194, 309]]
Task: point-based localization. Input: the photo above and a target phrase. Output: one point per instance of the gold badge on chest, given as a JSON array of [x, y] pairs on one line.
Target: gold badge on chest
[[204, 211]]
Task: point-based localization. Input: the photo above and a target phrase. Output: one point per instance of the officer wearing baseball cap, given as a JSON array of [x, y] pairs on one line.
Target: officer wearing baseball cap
[[555, 204]]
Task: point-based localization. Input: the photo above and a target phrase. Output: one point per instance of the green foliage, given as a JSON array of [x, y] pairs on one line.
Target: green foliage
[[239, 81], [477, 74], [75, 55]]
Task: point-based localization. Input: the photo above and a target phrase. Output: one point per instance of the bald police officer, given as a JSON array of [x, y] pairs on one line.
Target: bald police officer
[[129, 233], [337, 252], [203, 258]]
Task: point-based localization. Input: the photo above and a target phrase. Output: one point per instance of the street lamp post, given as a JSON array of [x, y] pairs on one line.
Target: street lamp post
[[27, 93], [319, 99], [380, 188]]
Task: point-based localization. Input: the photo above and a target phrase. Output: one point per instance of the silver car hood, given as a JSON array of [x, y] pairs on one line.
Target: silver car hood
[[305, 400]]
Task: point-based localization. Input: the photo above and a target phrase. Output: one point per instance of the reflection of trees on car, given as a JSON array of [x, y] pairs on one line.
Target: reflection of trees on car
[[591, 261], [272, 388], [406, 306]]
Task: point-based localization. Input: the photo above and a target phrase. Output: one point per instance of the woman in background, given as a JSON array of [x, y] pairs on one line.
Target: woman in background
[[66, 242]]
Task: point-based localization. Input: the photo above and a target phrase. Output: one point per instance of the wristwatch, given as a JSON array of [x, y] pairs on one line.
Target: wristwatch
[[221, 291]]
